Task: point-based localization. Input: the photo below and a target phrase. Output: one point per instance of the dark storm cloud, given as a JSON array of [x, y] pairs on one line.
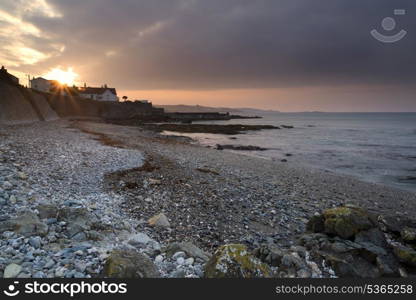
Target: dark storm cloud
[[191, 44]]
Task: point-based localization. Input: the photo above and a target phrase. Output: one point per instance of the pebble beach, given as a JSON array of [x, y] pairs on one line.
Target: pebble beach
[[73, 192]]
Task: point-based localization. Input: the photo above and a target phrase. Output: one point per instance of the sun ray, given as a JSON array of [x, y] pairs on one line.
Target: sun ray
[[63, 77]]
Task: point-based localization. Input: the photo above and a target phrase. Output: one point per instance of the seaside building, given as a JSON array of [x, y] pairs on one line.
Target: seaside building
[[7, 76], [41, 84], [99, 94]]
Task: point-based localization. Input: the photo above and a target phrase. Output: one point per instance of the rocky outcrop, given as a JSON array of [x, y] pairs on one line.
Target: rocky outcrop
[[129, 264], [355, 243], [235, 261]]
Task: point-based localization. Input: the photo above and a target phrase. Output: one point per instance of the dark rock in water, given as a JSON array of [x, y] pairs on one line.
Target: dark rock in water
[[407, 179], [287, 126], [129, 264], [284, 160], [240, 148], [288, 154], [235, 261], [207, 128]]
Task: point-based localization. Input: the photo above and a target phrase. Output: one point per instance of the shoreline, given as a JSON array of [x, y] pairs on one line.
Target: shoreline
[[404, 181]]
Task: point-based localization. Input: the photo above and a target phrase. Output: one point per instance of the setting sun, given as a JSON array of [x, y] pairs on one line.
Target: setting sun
[[64, 77]]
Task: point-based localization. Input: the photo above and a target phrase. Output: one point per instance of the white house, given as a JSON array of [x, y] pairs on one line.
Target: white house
[[41, 84], [99, 94]]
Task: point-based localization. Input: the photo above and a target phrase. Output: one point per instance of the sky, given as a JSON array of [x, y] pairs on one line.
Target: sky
[[287, 55]]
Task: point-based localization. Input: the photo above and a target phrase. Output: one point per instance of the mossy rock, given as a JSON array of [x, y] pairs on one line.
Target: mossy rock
[[129, 264], [405, 255], [346, 222], [235, 261]]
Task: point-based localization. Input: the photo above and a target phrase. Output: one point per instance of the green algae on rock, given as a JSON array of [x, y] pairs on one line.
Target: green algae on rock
[[129, 264], [406, 255], [235, 261], [346, 222]]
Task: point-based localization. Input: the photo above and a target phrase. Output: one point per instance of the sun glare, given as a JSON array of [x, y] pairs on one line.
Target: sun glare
[[64, 77]]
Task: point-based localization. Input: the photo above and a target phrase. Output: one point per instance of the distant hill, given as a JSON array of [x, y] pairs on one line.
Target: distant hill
[[199, 108]]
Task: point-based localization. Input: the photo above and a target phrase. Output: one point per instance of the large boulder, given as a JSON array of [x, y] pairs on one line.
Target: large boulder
[[235, 261], [349, 240], [346, 222], [129, 264], [27, 224]]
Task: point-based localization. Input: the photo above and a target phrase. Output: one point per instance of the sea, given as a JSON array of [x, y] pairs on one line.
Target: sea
[[374, 147]]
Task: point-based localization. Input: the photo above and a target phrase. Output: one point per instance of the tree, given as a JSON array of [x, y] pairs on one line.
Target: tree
[[125, 98]]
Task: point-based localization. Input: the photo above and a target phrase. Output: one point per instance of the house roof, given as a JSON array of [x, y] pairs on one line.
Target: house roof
[[97, 91], [40, 78]]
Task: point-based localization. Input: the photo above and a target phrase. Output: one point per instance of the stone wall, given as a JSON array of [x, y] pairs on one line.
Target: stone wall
[[66, 106]]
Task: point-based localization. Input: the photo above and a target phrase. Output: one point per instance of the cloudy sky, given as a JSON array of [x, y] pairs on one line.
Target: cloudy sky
[[289, 55]]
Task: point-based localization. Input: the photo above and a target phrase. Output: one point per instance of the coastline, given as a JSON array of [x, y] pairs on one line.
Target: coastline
[[210, 197]]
